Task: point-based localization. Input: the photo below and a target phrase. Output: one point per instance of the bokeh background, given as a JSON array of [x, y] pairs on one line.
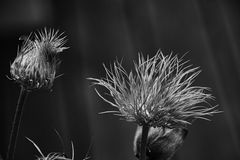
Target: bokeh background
[[98, 32]]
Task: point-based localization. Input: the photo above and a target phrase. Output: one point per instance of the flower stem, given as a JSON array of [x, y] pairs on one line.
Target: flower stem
[[16, 123], [145, 130]]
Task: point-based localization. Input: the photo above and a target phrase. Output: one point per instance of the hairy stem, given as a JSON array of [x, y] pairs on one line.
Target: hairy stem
[[16, 123], [145, 130]]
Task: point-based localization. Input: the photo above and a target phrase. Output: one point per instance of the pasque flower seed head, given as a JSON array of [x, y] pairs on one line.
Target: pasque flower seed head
[[159, 93], [37, 59]]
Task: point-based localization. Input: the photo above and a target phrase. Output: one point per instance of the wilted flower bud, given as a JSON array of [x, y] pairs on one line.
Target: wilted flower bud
[[162, 143], [36, 61]]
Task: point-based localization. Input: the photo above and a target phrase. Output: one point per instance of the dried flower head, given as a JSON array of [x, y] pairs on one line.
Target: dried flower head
[[159, 93], [53, 155], [36, 61]]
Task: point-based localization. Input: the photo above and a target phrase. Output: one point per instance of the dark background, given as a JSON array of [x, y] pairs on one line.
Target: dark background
[[98, 31]]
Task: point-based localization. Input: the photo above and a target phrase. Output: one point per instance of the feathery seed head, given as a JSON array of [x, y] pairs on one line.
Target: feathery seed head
[[159, 93], [36, 61]]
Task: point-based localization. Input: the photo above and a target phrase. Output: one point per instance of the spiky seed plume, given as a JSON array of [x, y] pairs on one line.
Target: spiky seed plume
[[158, 93], [53, 155], [36, 61]]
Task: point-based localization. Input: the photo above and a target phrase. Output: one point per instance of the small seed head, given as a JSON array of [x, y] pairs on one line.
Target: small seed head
[[52, 155]]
